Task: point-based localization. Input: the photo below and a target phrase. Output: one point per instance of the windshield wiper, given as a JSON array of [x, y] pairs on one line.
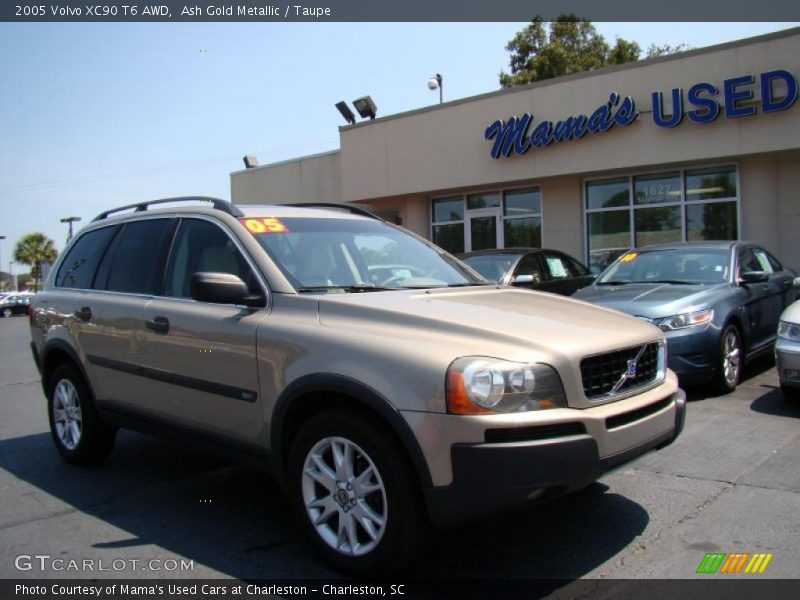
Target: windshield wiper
[[675, 281], [354, 288], [470, 284], [613, 282]]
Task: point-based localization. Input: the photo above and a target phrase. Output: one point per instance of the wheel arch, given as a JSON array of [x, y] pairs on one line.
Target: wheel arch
[[57, 352], [312, 393]]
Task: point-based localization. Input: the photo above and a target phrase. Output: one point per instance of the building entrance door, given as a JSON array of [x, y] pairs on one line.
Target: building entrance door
[[484, 229]]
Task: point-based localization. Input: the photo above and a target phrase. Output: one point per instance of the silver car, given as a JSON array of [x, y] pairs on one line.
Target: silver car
[[787, 349], [384, 383]]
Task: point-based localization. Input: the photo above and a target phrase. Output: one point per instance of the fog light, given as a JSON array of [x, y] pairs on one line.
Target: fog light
[[791, 374]]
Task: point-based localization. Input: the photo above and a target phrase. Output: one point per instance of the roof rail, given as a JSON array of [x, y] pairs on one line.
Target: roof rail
[[218, 203], [356, 210]]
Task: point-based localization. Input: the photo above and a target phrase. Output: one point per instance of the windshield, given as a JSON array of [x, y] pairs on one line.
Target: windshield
[[491, 266], [324, 254], [673, 265]]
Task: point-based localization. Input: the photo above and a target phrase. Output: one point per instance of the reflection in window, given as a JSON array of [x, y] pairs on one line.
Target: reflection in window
[[523, 233], [449, 237], [711, 221], [708, 184], [607, 193], [522, 202], [661, 188], [609, 236], [657, 225], [476, 201], [448, 209]]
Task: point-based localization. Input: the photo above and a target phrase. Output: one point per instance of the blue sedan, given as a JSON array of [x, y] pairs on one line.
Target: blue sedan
[[719, 303]]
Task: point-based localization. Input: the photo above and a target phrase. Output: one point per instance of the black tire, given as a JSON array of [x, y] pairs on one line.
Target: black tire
[[89, 441], [729, 366], [6, 313], [397, 498]]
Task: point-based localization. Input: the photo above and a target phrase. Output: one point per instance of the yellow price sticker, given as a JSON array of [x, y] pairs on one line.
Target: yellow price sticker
[[628, 257], [264, 225]]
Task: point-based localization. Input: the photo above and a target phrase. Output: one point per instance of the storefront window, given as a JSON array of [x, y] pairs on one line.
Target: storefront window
[[657, 189], [448, 209], [608, 193], [476, 201], [522, 202], [709, 184], [660, 210], [523, 233], [449, 237], [711, 221]]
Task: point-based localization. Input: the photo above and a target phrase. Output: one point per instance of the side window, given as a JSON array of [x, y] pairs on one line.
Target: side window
[[748, 261], [530, 265], [77, 269], [202, 246], [763, 260], [577, 269], [774, 263], [135, 262], [557, 266]]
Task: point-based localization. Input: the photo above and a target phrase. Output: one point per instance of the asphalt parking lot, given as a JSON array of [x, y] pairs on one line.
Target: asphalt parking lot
[[731, 483]]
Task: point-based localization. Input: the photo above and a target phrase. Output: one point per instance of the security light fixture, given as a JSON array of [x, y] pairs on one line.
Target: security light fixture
[[365, 107], [70, 220], [435, 83], [345, 111], [250, 161]]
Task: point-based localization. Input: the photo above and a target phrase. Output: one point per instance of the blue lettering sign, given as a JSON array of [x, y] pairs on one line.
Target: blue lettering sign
[[732, 96], [710, 105], [768, 101], [677, 109]]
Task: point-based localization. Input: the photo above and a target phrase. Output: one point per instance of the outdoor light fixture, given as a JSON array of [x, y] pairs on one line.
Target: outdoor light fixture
[[345, 111], [70, 220], [365, 107], [250, 161], [435, 83]]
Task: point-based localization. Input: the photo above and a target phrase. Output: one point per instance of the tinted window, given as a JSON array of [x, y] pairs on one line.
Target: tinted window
[[201, 246], [562, 267], [137, 261], [530, 265], [78, 267]]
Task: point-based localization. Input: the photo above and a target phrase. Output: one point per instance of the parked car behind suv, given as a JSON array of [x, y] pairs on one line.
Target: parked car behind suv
[[385, 383], [718, 302], [533, 268], [14, 304]]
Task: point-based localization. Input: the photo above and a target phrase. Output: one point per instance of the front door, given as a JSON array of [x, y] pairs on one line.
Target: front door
[[484, 229]]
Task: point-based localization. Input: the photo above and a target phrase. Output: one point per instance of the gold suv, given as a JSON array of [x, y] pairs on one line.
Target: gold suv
[[386, 384]]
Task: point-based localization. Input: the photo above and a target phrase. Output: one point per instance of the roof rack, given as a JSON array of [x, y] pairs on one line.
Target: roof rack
[[218, 203], [356, 210]]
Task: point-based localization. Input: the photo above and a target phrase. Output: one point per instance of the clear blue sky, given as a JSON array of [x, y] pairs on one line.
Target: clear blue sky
[[94, 116]]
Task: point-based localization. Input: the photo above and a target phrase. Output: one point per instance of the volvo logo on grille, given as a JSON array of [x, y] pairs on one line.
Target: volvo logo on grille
[[629, 372]]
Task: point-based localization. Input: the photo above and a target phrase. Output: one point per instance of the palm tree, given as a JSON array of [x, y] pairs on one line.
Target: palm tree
[[35, 249]]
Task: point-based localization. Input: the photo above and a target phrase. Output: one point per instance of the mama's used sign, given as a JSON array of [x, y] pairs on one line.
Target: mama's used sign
[[706, 102]]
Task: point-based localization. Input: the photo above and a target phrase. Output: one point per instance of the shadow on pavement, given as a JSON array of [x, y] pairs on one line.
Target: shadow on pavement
[[186, 500], [755, 368]]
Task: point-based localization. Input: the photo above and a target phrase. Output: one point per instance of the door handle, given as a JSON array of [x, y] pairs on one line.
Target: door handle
[[158, 324], [83, 314]]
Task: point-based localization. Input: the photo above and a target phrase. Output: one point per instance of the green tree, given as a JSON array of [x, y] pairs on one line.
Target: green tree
[[572, 45], [35, 249]]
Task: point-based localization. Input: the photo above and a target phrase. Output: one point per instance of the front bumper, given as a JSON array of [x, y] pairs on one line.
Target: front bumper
[[787, 362], [693, 353], [494, 477]]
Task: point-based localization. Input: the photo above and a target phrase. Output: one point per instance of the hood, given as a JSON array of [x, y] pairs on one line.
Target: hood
[[475, 319], [653, 300]]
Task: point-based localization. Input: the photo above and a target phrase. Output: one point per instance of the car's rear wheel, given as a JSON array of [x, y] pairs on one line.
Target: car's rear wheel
[[79, 434], [730, 362], [355, 493]]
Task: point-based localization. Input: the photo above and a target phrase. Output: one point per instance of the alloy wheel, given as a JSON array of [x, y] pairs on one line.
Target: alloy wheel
[[67, 416], [344, 496], [731, 358]]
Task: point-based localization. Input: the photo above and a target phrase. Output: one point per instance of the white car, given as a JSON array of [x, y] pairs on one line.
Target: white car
[[787, 349]]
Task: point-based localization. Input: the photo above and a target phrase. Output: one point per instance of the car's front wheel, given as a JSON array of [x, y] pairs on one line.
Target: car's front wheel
[[79, 435], [355, 493], [6, 313], [731, 355]]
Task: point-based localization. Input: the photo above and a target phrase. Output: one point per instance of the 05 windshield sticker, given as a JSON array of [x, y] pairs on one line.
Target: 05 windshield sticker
[[628, 257], [264, 225]]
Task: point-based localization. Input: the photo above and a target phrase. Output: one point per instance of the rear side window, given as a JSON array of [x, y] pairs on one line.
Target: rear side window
[[135, 261], [79, 265]]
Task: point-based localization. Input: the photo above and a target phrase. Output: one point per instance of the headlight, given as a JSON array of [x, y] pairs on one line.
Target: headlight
[[789, 331], [685, 320], [482, 385]]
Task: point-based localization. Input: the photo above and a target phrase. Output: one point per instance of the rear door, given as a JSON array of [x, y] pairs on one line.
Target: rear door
[[201, 356], [763, 299]]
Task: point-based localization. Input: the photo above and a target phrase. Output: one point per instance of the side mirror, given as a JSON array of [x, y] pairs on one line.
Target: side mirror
[[754, 277], [522, 279], [222, 288]]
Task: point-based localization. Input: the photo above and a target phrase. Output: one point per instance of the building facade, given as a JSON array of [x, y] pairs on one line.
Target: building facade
[[699, 145]]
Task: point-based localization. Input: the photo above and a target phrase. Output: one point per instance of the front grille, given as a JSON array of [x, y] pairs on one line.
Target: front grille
[[603, 372]]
